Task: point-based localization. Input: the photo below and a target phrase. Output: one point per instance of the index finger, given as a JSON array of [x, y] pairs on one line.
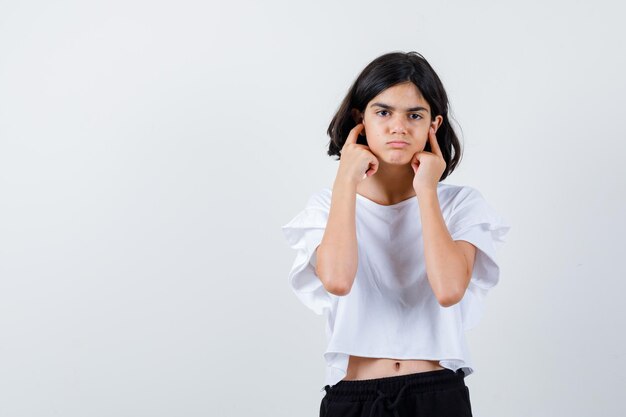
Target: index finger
[[354, 133], [434, 145]]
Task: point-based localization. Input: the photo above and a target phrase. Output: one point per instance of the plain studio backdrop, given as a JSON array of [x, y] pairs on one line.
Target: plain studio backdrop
[[151, 150]]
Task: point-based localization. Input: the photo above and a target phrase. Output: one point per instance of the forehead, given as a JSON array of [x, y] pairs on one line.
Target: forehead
[[404, 95]]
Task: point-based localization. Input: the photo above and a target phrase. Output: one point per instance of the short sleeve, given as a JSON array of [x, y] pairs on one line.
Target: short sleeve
[[304, 233], [475, 221]]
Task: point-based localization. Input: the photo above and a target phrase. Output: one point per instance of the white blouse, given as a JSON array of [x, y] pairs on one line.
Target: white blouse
[[391, 310]]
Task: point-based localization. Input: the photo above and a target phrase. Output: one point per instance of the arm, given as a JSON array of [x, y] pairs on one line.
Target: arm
[[449, 263], [337, 255]]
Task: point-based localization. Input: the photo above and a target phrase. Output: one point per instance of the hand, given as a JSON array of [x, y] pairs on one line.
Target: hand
[[428, 166], [357, 161]]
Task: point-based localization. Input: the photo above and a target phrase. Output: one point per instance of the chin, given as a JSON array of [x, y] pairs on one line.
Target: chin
[[401, 160]]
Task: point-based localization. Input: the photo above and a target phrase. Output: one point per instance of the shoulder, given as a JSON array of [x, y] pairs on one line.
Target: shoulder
[[313, 216], [466, 206], [320, 199], [451, 195]]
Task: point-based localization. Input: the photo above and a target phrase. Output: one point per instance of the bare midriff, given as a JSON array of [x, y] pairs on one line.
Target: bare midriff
[[360, 367]]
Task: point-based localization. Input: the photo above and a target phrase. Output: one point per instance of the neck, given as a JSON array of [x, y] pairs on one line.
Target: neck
[[389, 185]]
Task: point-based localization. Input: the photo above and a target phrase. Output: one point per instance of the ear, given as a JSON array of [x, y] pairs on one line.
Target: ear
[[357, 116], [437, 122]]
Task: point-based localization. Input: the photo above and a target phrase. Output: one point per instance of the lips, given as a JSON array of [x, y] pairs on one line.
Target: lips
[[398, 144]]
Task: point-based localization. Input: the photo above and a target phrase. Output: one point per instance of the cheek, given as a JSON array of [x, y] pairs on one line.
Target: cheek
[[373, 128]]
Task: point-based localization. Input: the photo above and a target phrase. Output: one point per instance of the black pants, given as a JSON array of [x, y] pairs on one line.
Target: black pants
[[439, 393]]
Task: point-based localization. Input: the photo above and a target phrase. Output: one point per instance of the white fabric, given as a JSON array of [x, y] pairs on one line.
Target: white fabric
[[391, 310]]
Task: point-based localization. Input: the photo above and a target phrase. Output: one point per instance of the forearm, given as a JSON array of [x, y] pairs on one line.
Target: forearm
[[445, 263], [337, 254]]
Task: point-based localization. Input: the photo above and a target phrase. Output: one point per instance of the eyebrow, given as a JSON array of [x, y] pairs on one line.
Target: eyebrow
[[387, 106]]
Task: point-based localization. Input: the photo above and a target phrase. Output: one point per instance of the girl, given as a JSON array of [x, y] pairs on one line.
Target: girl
[[398, 262]]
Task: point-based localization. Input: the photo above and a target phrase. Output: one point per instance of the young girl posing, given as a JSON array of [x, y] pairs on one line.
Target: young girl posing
[[398, 262]]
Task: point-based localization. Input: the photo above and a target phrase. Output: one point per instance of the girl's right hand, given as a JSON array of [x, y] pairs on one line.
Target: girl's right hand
[[357, 162]]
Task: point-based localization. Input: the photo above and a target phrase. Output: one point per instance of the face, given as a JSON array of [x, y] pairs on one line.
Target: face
[[399, 113]]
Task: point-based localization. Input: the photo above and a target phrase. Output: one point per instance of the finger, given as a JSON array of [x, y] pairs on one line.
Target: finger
[[374, 166], [434, 145], [415, 160], [415, 165], [354, 133]]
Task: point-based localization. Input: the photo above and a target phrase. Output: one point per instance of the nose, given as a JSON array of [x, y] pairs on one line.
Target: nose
[[398, 126]]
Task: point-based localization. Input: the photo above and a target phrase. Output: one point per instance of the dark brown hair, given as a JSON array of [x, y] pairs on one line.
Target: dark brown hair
[[384, 72]]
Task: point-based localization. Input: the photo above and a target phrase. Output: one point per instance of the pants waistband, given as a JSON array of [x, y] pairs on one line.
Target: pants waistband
[[364, 389]]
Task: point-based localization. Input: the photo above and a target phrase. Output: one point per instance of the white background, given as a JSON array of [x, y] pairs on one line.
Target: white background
[[151, 150]]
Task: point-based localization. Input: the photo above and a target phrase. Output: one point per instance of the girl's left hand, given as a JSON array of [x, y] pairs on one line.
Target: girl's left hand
[[428, 166]]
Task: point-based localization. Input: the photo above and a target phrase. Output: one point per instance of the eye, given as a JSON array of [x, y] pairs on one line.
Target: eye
[[380, 111], [416, 118]]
